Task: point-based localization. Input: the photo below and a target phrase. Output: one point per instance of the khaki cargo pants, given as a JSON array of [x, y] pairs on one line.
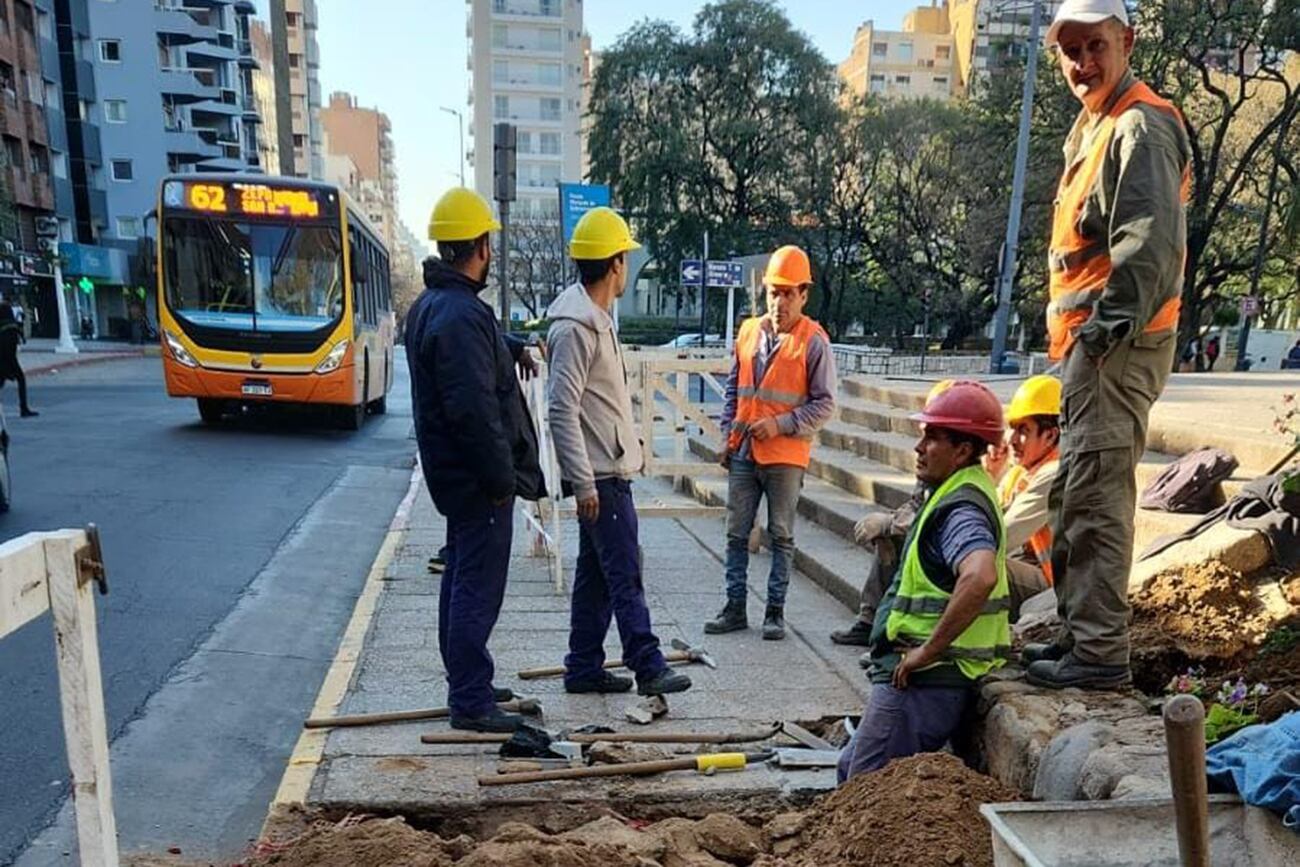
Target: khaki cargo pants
[[1104, 420]]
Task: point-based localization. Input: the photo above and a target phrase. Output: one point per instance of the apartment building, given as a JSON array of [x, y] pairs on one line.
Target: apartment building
[[365, 137], [264, 101], [527, 60], [296, 58]]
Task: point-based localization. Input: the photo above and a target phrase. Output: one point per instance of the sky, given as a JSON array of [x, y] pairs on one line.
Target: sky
[[407, 58]]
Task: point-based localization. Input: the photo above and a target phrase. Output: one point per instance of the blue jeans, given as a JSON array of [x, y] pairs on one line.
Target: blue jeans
[[747, 482], [898, 723], [608, 584], [473, 588]]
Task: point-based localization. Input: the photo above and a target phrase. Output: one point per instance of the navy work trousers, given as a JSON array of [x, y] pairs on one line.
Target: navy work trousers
[[473, 587], [608, 583], [898, 723]]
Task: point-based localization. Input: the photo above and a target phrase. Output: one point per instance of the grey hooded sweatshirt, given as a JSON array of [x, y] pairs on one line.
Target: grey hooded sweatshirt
[[586, 390]]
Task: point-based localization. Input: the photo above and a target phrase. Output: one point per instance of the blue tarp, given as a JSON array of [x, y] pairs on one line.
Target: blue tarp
[[1262, 764]]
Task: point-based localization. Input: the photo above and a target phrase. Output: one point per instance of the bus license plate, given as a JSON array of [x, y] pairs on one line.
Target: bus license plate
[[257, 389]]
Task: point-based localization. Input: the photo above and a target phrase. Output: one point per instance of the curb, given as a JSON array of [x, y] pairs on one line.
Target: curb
[[81, 361], [300, 770]]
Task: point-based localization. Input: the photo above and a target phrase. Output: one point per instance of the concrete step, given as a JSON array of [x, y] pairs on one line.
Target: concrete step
[[884, 447], [875, 416], [879, 391]]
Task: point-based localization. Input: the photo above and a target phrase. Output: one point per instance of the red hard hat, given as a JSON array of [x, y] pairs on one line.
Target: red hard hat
[[968, 407]]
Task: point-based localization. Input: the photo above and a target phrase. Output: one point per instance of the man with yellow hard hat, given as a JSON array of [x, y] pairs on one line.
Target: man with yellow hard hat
[[599, 453], [478, 447], [780, 392], [1034, 422]]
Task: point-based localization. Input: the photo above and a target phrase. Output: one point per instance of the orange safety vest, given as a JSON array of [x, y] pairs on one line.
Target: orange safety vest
[[1080, 266], [1016, 482], [784, 387]]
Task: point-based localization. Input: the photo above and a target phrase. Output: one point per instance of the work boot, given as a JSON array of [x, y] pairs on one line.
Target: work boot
[[495, 720], [1050, 651], [29, 413], [605, 682], [732, 618], [1069, 671], [663, 683], [865, 660], [774, 623], [502, 693], [859, 634]]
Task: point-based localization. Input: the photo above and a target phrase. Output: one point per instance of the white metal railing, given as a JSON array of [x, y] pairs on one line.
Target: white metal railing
[[56, 572], [544, 516]]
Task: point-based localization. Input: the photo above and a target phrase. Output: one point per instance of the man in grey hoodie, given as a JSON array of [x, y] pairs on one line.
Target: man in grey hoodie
[[599, 453]]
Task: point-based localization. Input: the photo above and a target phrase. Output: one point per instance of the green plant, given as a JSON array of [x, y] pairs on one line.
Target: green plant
[[1233, 706], [1286, 421], [1279, 641]]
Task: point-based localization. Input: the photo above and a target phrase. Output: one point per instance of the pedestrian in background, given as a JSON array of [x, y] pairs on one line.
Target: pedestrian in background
[[11, 334], [599, 454], [1211, 352], [1119, 238], [478, 447], [780, 392]]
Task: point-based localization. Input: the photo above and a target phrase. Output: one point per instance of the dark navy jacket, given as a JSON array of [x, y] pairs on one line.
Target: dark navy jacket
[[476, 438]]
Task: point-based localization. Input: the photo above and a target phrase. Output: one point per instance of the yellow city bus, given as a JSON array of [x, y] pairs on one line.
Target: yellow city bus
[[272, 290]]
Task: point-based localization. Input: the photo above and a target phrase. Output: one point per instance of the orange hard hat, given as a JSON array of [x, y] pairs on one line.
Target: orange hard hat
[[788, 266], [968, 407]]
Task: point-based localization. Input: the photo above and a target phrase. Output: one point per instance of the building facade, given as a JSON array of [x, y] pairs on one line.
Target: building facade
[[263, 87], [296, 59], [365, 137], [526, 61]]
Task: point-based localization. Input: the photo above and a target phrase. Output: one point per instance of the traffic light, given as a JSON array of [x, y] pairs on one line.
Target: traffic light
[[504, 175], [85, 284]]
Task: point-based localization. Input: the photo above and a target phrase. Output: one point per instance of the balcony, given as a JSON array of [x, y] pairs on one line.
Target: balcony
[[528, 8], [87, 135], [84, 73], [212, 50], [189, 143], [214, 106], [194, 84], [245, 7], [180, 25], [37, 130]]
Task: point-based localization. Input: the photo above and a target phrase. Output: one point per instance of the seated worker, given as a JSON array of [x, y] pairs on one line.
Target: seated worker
[[882, 533], [1034, 419], [943, 622]]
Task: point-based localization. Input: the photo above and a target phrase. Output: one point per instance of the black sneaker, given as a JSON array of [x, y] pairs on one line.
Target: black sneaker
[[495, 720], [663, 683], [1068, 671], [437, 565], [732, 618], [774, 623], [1032, 653], [604, 682], [859, 634], [502, 693], [29, 413]]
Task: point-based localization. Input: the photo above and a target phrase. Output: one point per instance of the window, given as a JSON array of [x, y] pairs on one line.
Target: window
[[35, 88], [115, 110], [550, 108], [500, 33], [550, 142], [903, 80], [59, 166], [877, 84], [128, 227], [14, 154], [500, 71], [941, 81], [500, 107], [981, 51], [880, 49], [123, 170], [524, 142], [292, 19], [26, 18], [905, 51], [40, 160], [943, 52], [295, 61], [110, 50], [549, 73], [44, 26], [549, 40], [7, 82], [299, 140]]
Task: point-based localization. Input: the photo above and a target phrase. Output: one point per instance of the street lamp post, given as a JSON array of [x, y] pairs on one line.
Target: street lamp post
[[460, 119], [1012, 243]]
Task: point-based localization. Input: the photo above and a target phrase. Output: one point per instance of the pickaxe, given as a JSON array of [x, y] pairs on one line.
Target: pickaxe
[[681, 653], [523, 705]]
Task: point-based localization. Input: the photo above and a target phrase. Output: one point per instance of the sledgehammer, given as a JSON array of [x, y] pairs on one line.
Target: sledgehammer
[[1185, 741], [522, 705], [682, 653]]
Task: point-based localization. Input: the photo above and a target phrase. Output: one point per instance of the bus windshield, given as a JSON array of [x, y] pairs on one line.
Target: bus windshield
[[263, 276]]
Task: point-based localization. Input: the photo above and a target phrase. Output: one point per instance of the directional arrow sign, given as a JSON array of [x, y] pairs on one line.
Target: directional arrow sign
[[692, 272], [723, 275]]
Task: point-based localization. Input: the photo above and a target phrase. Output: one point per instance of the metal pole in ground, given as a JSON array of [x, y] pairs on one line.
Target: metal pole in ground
[[65, 344], [704, 286], [505, 265], [1007, 278]]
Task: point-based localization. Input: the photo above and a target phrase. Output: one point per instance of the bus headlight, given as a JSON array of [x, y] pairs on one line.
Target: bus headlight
[[331, 362], [178, 350]]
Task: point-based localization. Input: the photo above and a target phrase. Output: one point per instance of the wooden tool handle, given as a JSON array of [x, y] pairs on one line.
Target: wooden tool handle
[[464, 738], [631, 769], [371, 719], [1185, 740], [535, 673]]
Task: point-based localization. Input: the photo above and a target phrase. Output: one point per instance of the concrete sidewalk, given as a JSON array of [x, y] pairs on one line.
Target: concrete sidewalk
[[38, 357], [387, 769]]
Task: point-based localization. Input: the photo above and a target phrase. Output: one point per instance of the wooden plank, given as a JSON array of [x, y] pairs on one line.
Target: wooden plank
[[696, 468], [24, 593], [648, 379], [719, 366], [81, 692], [694, 412]]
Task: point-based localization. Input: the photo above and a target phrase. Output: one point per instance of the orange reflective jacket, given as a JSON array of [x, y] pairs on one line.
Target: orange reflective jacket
[[784, 387], [1080, 266], [1013, 484]]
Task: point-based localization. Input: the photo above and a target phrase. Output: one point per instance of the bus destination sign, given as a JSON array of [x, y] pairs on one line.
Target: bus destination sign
[[242, 199]]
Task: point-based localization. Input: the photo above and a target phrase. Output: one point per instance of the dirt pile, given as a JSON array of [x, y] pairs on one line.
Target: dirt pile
[[917, 812], [362, 843], [1208, 611]]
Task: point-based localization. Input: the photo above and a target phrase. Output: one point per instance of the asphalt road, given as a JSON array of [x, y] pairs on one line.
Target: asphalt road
[[234, 556]]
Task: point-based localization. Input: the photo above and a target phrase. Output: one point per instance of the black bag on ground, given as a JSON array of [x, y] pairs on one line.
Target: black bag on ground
[[1191, 483]]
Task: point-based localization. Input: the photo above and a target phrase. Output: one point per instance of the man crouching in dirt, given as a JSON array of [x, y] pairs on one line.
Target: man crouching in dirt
[[944, 622]]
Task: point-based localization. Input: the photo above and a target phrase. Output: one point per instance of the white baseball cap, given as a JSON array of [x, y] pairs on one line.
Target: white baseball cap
[[1086, 12]]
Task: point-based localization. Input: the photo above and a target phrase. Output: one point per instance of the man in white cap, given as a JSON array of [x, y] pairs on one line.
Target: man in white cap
[[1119, 236]]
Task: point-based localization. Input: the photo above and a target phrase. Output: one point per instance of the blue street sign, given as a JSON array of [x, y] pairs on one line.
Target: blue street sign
[[578, 199], [692, 272], [724, 275]]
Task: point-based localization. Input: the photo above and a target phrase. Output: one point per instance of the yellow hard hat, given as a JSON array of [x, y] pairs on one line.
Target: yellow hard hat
[[600, 234], [1037, 395], [939, 388], [461, 215]]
